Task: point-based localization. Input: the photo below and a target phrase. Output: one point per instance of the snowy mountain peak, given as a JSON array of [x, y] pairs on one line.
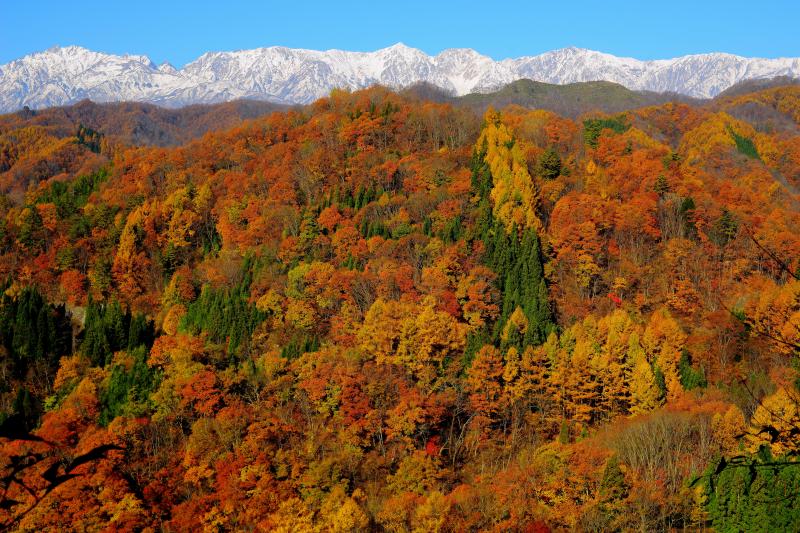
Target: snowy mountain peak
[[167, 67], [62, 75], [401, 47]]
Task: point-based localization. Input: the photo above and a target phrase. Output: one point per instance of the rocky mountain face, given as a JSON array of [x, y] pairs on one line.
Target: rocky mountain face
[[63, 75]]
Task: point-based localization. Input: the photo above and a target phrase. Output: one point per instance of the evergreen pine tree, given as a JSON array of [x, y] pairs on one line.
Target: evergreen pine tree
[[548, 166]]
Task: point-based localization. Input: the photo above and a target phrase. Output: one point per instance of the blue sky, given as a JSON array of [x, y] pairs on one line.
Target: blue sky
[[179, 31]]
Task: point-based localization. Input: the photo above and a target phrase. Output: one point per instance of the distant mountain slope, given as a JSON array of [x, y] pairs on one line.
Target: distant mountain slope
[[60, 76], [751, 86], [569, 100], [139, 123]]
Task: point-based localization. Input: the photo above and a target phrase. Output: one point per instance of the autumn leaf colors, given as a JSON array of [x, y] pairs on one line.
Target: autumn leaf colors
[[384, 313]]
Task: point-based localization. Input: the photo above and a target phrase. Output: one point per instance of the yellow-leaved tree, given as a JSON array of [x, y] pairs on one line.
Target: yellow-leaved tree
[[663, 342], [645, 395], [415, 336], [776, 422], [514, 195]]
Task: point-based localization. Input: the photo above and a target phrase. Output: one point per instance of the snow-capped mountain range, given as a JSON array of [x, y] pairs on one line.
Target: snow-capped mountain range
[[63, 75]]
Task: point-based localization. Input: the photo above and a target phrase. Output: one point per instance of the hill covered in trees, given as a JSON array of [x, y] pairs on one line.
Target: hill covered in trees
[[380, 312], [571, 100], [136, 123]]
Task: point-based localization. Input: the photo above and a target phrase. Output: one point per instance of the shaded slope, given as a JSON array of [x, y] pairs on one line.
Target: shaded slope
[[139, 123]]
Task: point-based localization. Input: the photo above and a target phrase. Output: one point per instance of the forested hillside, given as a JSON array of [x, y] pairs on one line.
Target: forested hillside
[[377, 313], [135, 123]]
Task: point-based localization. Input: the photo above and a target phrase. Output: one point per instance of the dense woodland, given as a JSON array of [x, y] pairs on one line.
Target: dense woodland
[[378, 313]]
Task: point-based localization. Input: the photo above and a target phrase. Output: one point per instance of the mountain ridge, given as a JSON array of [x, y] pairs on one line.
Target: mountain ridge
[[65, 75]]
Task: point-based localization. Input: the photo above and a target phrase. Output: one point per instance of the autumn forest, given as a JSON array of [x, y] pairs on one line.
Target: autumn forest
[[383, 312]]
